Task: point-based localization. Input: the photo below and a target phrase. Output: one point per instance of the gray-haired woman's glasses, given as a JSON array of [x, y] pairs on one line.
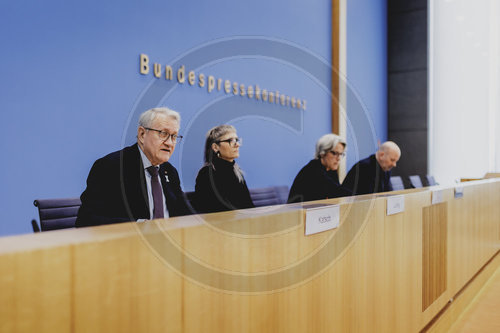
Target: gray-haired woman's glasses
[[233, 141], [334, 153]]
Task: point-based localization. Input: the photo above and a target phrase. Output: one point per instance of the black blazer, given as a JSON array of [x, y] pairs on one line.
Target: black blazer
[[116, 190], [367, 176], [313, 182], [218, 189]]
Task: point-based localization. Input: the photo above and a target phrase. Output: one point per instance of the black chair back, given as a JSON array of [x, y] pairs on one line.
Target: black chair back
[[431, 181], [57, 213], [397, 183], [267, 196], [415, 181]]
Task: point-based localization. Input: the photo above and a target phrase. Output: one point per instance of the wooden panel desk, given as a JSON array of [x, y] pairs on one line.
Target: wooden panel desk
[[255, 271]]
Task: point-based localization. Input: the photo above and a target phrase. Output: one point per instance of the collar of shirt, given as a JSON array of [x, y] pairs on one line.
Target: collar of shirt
[[145, 161]]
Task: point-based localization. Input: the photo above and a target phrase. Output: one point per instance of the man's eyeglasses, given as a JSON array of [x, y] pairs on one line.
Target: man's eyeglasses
[[233, 141], [334, 153], [165, 135]]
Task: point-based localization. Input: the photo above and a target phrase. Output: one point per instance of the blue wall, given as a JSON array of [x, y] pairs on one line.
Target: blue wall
[[366, 77], [71, 90]]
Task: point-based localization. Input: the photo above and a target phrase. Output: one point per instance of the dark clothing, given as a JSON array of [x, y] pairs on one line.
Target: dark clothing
[[367, 176], [218, 189], [116, 190], [313, 182]]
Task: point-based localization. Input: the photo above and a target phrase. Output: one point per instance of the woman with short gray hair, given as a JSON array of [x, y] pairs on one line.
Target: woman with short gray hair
[[220, 185], [319, 179]]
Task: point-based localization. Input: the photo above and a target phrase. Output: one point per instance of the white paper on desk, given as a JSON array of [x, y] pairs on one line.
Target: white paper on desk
[[437, 197], [395, 204], [321, 219]]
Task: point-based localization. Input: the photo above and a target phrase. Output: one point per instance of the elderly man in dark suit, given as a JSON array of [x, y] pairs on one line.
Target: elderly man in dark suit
[[137, 182], [372, 174]]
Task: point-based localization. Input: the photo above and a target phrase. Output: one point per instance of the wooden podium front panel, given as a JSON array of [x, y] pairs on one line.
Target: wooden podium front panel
[[253, 270], [434, 249]]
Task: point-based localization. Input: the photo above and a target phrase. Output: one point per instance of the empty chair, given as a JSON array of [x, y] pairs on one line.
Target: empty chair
[[415, 181], [57, 213], [397, 183], [267, 196], [431, 181], [282, 192]]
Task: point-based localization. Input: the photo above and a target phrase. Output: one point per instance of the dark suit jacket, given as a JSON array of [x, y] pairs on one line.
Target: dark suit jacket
[[367, 176], [116, 190], [218, 189], [313, 182]]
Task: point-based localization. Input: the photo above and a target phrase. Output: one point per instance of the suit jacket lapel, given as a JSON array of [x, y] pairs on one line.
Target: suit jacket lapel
[[134, 183], [165, 179], [378, 182]]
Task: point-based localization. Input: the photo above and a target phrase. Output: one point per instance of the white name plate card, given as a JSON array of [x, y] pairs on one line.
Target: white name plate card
[[459, 192], [436, 197], [320, 219], [395, 204]]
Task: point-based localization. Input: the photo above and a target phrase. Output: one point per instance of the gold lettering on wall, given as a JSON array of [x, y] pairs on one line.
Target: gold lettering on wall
[[250, 91], [191, 78], [237, 89], [211, 83], [201, 80], [144, 64], [181, 74], [168, 72], [227, 86], [157, 70]]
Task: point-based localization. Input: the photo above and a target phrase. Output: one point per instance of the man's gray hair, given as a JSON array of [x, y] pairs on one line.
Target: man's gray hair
[[326, 143], [148, 117]]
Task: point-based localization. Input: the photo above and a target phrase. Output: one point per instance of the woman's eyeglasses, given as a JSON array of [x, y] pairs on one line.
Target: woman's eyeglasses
[[337, 154], [233, 141]]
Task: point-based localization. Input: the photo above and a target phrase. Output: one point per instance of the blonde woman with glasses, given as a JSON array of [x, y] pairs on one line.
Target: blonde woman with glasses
[[220, 185]]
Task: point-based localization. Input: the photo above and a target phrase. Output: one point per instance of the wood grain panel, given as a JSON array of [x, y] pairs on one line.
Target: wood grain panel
[[35, 290], [434, 252], [482, 315], [460, 303], [250, 271]]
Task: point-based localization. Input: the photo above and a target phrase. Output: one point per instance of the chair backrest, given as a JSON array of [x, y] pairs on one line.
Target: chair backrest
[[397, 183], [267, 196], [431, 181], [415, 181], [189, 197], [57, 213]]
